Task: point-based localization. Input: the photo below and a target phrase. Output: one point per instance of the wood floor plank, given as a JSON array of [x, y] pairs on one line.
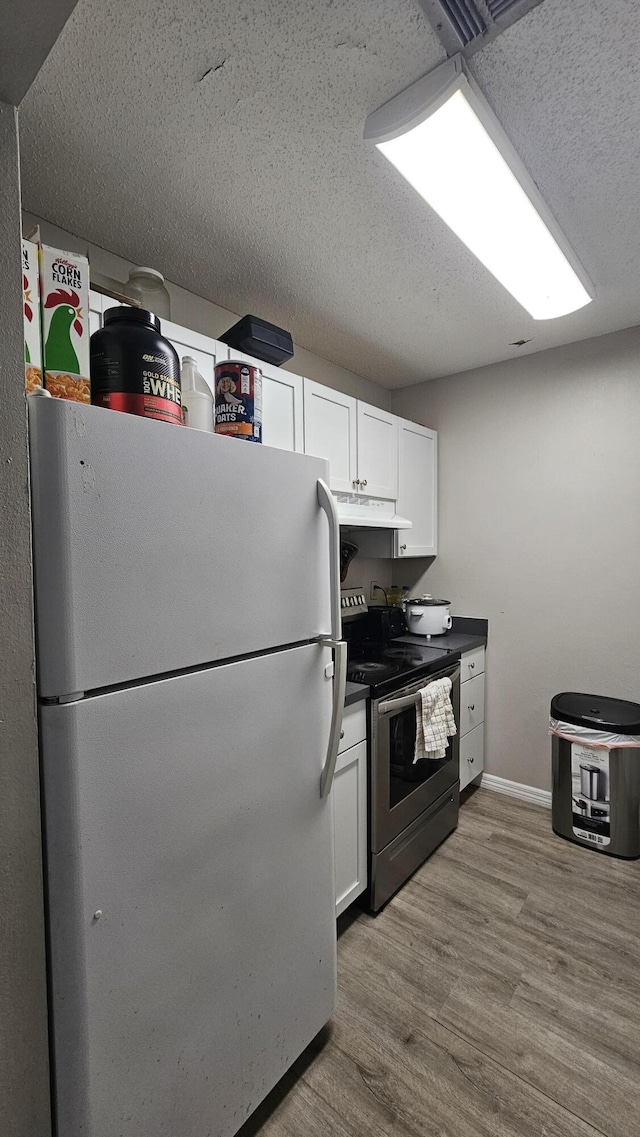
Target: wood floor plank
[[439, 1083], [604, 1019], [497, 995], [584, 1085], [399, 965]]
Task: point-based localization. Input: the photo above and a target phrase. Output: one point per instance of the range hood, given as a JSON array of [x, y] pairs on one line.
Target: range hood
[[357, 512]]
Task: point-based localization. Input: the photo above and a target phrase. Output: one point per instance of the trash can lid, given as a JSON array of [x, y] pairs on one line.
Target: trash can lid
[[616, 716]]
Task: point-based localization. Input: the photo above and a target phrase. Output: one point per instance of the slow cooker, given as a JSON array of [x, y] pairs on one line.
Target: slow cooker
[[428, 617]]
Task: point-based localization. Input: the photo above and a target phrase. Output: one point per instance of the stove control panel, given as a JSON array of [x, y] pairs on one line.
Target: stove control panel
[[352, 602]]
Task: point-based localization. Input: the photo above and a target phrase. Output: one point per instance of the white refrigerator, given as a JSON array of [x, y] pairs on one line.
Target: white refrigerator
[[190, 682]]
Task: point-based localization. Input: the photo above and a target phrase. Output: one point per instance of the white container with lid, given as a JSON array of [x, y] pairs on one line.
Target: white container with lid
[[428, 617], [197, 396], [146, 285]]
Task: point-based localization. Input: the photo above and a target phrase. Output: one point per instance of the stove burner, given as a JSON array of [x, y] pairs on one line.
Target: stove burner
[[404, 652], [372, 667]]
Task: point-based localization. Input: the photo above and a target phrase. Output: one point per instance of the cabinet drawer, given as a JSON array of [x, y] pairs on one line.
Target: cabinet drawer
[[471, 755], [472, 663], [354, 726], [471, 704]]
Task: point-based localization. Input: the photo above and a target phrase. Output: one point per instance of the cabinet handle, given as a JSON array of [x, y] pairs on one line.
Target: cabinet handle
[[356, 481], [364, 482], [341, 734], [471, 706], [472, 665], [469, 759], [402, 548]]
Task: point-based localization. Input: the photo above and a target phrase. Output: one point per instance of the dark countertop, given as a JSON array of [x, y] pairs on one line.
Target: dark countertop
[[466, 634], [450, 641], [355, 692]]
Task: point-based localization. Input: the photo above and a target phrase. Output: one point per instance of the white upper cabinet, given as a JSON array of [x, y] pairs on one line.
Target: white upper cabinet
[[377, 452], [330, 431], [282, 396], [417, 490], [359, 441], [206, 352], [95, 310]]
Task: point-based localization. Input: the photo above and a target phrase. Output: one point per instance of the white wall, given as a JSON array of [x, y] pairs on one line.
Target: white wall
[[24, 1075], [540, 530], [210, 319]]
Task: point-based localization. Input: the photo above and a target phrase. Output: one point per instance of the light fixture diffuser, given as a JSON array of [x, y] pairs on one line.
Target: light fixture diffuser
[[443, 137]]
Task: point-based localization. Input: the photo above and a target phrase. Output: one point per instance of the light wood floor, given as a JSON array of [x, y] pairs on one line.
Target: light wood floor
[[497, 995]]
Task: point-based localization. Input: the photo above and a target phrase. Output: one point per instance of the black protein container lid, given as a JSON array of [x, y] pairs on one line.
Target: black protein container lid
[[597, 712], [260, 339], [138, 315]]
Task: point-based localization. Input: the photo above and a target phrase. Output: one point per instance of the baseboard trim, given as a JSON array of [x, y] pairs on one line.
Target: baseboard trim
[[516, 789]]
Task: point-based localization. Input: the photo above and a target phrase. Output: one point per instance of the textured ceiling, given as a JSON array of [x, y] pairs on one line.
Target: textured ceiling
[[28, 31], [252, 186]]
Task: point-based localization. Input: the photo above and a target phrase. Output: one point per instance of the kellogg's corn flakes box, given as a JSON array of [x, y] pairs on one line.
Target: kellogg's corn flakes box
[[31, 310], [64, 297]]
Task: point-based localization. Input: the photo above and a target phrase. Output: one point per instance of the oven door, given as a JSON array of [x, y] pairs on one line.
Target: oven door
[[402, 789]]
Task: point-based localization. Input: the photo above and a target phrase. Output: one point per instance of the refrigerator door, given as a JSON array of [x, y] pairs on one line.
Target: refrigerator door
[[158, 549], [190, 892]]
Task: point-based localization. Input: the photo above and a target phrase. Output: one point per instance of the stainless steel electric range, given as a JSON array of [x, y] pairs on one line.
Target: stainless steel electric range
[[413, 805]]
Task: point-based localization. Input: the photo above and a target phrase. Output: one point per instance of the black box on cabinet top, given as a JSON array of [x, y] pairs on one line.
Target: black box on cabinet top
[[261, 339]]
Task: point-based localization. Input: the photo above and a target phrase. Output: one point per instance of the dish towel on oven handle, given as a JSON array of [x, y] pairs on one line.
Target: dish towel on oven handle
[[434, 720]]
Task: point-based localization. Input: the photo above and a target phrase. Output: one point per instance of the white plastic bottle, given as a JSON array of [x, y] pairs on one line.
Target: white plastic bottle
[[197, 397]]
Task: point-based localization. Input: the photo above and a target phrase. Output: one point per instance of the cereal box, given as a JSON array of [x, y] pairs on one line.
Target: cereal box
[[64, 297], [31, 310]]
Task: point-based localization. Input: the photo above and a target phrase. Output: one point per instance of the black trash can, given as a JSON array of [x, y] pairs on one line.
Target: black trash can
[[595, 755]]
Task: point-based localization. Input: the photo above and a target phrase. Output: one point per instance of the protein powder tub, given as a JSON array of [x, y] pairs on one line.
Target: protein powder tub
[[134, 368]]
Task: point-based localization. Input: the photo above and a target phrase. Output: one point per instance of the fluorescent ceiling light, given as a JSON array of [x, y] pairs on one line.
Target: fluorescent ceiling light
[[443, 137]]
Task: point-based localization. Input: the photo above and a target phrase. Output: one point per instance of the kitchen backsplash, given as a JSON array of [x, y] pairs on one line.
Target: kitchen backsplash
[[362, 570]]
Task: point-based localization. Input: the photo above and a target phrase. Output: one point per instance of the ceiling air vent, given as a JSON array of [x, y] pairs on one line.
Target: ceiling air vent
[[465, 18], [467, 25]]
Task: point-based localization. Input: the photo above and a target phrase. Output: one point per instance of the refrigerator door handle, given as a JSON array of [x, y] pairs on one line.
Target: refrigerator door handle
[[339, 687], [326, 502]]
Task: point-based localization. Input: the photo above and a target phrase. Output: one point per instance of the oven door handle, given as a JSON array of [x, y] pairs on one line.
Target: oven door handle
[[326, 501], [388, 705]]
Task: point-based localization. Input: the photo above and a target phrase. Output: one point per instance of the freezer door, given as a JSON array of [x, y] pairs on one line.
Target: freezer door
[[190, 890], [159, 548]]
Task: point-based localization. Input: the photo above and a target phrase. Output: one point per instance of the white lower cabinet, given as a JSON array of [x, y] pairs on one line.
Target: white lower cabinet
[[349, 794], [471, 716], [471, 755], [471, 704]]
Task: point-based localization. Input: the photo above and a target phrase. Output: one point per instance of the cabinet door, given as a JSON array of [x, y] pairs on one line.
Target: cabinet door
[[471, 704], [417, 490], [471, 755], [206, 352], [282, 399], [377, 452], [349, 794], [472, 664], [330, 432], [95, 310]]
